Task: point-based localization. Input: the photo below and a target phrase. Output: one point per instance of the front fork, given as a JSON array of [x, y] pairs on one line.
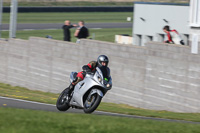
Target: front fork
[[71, 89], [69, 93]]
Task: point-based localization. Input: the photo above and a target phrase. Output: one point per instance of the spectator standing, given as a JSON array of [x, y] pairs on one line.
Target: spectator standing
[[66, 27], [81, 31], [172, 36]]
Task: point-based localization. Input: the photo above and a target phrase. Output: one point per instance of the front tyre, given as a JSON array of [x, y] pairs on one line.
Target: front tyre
[[92, 102], [62, 102]]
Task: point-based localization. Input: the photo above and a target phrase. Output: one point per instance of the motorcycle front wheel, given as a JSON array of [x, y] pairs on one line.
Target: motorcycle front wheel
[[91, 103], [62, 102]]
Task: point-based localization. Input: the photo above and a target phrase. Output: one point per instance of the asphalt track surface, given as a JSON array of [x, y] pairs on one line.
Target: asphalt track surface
[[59, 26], [24, 104]]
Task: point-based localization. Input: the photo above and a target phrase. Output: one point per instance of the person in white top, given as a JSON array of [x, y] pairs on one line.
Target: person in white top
[[172, 36]]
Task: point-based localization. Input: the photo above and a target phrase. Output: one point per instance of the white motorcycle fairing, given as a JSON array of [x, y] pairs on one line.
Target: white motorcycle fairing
[[82, 87]]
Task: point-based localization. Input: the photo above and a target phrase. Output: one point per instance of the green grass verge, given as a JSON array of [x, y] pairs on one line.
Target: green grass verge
[[7, 90], [45, 97], [32, 121], [107, 34], [74, 17]]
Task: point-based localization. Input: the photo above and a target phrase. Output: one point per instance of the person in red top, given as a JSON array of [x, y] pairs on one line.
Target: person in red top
[[166, 29], [172, 35]]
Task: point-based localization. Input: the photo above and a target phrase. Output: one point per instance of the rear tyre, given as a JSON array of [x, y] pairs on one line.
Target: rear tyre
[[91, 103], [62, 103]]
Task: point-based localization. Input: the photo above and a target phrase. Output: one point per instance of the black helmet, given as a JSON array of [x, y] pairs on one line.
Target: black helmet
[[102, 58]]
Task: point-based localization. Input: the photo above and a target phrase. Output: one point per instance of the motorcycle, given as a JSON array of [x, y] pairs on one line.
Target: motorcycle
[[88, 93]]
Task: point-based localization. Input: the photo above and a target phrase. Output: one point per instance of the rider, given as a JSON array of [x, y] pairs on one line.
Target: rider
[[102, 60]]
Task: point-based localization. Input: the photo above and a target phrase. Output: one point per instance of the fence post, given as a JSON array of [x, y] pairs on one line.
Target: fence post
[[13, 19], [1, 14]]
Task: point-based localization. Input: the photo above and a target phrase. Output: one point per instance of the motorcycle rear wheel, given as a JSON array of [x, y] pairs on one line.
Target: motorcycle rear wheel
[[92, 103], [62, 103]]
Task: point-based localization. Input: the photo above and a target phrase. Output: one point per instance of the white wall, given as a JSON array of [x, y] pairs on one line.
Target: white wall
[[154, 15], [194, 13]]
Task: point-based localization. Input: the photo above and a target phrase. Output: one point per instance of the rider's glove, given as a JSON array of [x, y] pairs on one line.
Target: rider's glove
[[86, 69]]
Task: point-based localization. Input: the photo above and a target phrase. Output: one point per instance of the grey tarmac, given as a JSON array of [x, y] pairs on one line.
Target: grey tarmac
[[24, 104], [43, 26]]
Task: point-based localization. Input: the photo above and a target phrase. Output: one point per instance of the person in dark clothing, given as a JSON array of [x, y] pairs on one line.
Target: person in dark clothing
[[102, 61], [66, 27], [81, 31]]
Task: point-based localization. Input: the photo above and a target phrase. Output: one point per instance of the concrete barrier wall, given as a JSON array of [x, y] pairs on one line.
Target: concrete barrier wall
[[157, 76]]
